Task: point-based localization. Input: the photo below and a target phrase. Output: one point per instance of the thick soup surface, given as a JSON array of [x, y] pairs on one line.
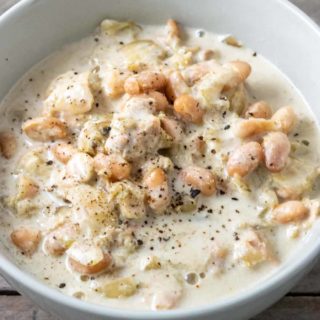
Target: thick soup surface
[[156, 167]]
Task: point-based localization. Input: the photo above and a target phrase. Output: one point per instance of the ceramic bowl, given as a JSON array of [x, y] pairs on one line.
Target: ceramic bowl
[[275, 28]]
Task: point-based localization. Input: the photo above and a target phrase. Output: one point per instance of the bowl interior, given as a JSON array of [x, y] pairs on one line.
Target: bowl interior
[[33, 29]]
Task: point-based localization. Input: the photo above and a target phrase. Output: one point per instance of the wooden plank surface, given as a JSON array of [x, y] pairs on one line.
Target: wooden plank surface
[[302, 303], [19, 308], [289, 308], [293, 308], [310, 284]]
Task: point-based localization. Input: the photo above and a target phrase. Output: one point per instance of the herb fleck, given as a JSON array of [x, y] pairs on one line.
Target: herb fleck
[[194, 192]]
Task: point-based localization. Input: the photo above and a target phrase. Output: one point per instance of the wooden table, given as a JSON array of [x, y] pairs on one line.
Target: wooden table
[[302, 303]]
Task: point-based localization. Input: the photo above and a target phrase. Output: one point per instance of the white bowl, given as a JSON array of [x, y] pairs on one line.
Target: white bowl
[[32, 29]]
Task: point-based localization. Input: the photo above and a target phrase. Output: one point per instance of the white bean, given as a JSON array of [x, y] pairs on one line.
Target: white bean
[[199, 178], [276, 147], [45, 129], [285, 119], [245, 159], [290, 211], [26, 239]]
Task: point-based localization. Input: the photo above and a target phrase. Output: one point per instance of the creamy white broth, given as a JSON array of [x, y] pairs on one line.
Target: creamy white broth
[[184, 243]]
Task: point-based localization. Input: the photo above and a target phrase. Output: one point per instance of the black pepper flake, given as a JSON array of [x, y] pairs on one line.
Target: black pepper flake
[[200, 33], [106, 131], [234, 199], [305, 142], [49, 163], [140, 242], [254, 54], [222, 192], [194, 192], [62, 285], [227, 127]]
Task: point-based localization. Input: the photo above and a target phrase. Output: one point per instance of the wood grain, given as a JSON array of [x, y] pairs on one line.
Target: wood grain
[[310, 284], [293, 308], [4, 286], [302, 303], [289, 308], [20, 308]]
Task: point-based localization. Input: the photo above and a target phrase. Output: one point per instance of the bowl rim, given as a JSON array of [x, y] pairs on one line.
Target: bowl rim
[[11, 270]]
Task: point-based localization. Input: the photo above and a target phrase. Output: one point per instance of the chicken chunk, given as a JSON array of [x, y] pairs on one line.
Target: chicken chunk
[[252, 248], [60, 239], [129, 198], [86, 258], [135, 132], [69, 93]]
